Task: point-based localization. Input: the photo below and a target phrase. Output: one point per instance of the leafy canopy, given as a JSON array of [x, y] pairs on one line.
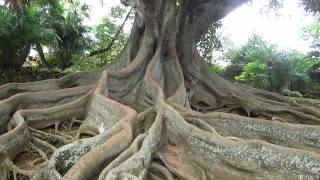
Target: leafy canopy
[[264, 65], [106, 30]]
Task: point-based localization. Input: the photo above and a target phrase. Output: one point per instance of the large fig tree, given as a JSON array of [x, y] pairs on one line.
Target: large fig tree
[[156, 112]]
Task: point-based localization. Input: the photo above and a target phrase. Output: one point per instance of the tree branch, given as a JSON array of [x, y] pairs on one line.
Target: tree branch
[[115, 37], [213, 11]]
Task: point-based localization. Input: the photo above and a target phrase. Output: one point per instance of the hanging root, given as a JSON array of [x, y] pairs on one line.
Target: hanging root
[[17, 170]]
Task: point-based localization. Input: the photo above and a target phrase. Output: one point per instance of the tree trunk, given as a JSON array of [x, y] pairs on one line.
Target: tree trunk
[[42, 56], [157, 112]]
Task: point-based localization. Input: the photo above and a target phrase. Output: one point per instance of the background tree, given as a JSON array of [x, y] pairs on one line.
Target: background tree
[[158, 111], [106, 31], [312, 60], [255, 50], [268, 67], [65, 20], [18, 32], [209, 42], [312, 33], [54, 24]]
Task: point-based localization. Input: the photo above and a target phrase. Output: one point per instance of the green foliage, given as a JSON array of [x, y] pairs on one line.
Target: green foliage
[[314, 71], [218, 69], [265, 66], [18, 31], [57, 25], [256, 49], [313, 91], [312, 60], [67, 36], [233, 70], [312, 33], [289, 93], [209, 42], [105, 32], [311, 6], [255, 74], [118, 12], [286, 67], [82, 63]]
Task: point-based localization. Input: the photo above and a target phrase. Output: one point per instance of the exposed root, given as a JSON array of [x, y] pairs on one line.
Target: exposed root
[[16, 170], [253, 101], [73, 120], [92, 161], [42, 154], [134, 147], [156, 169], [49, 137]]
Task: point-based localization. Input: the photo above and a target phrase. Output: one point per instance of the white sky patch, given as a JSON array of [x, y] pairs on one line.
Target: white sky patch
[[284, 30], [99, 9]]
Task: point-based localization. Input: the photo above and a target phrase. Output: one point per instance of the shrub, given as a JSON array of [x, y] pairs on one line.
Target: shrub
[[82, 63], [289, 93], [254, 74], [17, 33], [313, 91], [218, 69]]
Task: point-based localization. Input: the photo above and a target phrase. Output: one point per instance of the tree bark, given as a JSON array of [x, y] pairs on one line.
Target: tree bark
[[42, 56], [158, 112]]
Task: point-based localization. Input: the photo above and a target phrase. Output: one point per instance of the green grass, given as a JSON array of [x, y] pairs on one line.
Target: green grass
[[306, 100]]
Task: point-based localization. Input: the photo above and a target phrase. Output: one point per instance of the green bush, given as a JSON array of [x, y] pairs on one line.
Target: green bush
[[18, 30], [314, 71], [218, 69], [254, 74], [233, 70], [63, 30], [313, 91], [287, 92], [266, 66], [82, 63]]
